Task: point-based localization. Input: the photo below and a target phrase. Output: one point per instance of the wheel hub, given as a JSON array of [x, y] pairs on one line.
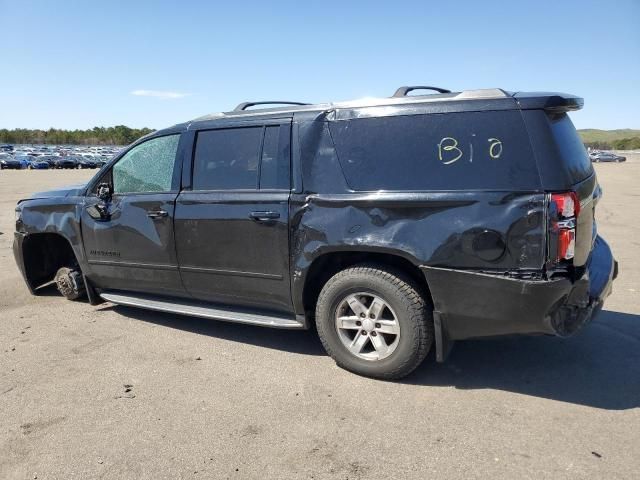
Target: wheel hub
[[367, 326]]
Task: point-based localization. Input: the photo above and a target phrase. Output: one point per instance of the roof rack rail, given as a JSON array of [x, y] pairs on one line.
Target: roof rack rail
[[403, 91], [245, 105]]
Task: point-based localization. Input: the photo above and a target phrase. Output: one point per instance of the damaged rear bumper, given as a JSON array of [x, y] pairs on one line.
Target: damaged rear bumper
[[468, 304]]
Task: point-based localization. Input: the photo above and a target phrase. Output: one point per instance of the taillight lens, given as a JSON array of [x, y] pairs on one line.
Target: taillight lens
[[565, 210], [567, 204], [566, 243]]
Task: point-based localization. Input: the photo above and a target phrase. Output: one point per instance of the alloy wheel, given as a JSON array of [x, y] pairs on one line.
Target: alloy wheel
[[367, 326]]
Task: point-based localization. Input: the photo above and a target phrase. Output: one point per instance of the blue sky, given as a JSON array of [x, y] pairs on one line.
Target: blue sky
[[76, 64]]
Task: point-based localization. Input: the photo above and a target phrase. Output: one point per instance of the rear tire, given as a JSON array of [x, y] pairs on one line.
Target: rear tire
[[70, 283], [373, 321]]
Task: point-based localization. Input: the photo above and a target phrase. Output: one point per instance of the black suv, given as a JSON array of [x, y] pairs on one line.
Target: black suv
[[394, 224]]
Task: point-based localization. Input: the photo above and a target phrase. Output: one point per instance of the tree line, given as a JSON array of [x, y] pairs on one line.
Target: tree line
[[123, 135], [118, 135], [632, 143]]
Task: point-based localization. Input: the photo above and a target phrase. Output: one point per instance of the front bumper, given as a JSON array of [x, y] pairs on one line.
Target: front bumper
[[468, 304], [18, 241]]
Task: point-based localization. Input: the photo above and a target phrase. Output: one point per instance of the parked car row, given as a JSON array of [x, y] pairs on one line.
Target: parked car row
[[45, 157], [600, 156], [18, 162]]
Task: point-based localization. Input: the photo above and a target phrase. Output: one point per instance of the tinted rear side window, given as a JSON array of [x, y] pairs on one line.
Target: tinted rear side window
[[573, 154], [453, 151], [275, 163], [561, 156], [227, 159]]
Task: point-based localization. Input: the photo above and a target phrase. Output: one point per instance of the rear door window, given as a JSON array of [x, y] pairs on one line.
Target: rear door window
[[275, 159], [227, 159], [453, 151], [246, 158]]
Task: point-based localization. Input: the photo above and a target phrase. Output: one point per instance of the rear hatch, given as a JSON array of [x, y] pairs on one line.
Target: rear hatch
[[566, 174]]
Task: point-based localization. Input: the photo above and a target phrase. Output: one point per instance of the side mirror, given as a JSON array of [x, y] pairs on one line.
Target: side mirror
[[99, 212], [104, 192]]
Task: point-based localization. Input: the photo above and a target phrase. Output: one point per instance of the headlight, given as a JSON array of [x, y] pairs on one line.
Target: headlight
[[18, 214]]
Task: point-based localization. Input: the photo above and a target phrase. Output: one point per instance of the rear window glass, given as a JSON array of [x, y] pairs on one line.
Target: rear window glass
[[471, 150], [574, 156]]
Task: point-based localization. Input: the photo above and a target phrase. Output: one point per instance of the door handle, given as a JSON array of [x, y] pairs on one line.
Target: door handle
[[157, 214], [264, 216]]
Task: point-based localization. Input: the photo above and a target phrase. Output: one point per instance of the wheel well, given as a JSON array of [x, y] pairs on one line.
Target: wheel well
[[44, 254], [327, 265]]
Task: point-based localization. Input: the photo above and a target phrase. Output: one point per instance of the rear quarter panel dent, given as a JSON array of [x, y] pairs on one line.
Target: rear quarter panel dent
[[424, 228]]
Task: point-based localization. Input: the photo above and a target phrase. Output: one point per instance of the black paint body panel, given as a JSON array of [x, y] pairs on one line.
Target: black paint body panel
[[227, 257], [132, 250], [474, 304], [435, 229]]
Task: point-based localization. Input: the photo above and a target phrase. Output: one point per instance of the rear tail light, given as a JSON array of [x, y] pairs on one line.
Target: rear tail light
[[566, 243], [565, 208], [567, 204]]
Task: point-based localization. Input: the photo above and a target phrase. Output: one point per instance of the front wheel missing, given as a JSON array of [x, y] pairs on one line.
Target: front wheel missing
[[70, 283]]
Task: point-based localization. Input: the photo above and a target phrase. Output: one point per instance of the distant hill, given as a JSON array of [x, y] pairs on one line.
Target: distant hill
[[624, 138], [595, 135]]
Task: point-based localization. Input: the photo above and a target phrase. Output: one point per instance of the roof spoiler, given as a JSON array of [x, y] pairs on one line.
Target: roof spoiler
[[551, 102]]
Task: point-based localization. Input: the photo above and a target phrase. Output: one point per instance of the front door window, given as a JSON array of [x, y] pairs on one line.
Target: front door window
[[147, 167]]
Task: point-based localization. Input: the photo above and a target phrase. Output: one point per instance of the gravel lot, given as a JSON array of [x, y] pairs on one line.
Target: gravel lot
[[113, 392]]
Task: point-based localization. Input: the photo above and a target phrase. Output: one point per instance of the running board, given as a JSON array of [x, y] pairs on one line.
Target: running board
[[203, 311]]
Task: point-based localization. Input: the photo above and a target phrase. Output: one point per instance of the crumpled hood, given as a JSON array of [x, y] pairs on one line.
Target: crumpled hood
[[60, 192]]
